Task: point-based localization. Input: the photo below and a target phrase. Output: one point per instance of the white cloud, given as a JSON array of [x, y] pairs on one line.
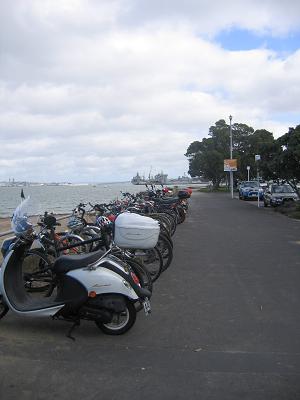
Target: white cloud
[[99, 90], [209, 18]]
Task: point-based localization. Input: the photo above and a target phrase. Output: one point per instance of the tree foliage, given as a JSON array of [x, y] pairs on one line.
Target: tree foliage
[[206, 158], [287, 162], [279, 158]]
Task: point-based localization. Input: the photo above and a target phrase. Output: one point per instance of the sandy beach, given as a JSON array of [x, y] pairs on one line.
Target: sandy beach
[[5, 224], [6, 227]]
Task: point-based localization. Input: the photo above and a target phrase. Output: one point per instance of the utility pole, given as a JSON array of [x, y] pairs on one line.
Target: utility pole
[[231, 172], [257, 159]]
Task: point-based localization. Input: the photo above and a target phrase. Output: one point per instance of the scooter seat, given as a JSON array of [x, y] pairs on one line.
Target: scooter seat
[[64, 264]]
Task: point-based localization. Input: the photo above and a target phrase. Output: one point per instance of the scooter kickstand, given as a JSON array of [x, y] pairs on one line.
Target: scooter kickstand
[[69, 334]]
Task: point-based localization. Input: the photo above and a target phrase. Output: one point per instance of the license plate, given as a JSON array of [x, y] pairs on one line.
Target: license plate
[[147, 306]]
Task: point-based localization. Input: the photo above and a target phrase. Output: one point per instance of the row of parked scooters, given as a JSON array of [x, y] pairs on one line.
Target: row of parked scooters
[[101, 269]]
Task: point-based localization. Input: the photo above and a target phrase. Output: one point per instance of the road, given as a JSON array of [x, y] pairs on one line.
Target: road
[[225, 322]]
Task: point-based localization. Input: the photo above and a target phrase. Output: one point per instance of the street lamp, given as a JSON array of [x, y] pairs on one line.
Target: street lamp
[[231, 172]]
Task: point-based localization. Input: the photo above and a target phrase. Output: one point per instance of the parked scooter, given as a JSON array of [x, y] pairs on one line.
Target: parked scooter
[[95, 287]]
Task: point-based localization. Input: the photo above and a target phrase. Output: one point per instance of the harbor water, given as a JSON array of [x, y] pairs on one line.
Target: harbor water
[[61, 199]]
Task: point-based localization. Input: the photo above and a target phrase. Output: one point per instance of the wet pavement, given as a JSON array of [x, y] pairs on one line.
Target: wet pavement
[[224, 325]]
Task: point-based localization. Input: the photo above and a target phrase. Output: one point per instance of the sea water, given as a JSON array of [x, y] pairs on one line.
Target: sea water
[[61, 199]]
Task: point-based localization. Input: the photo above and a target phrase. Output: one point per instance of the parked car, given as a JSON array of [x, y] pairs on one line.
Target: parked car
[[249, 190], [277, 194]]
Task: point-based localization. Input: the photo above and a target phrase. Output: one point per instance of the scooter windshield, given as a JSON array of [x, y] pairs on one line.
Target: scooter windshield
[[19, 223]]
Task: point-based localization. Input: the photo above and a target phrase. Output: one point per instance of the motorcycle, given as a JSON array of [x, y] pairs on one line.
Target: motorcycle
[[97, 287]]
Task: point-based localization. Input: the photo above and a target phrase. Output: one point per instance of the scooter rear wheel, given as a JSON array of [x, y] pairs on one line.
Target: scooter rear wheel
[[121, 322]]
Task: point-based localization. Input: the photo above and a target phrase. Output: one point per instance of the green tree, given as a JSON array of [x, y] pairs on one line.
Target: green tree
[[287, 162], [241, 134], [206, 158], [264, 144]]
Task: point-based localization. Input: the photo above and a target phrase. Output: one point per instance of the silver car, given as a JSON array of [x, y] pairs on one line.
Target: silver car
[[277, 194]]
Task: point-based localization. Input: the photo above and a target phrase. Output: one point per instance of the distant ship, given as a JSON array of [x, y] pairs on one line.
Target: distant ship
[[162, 179], [138, 180]]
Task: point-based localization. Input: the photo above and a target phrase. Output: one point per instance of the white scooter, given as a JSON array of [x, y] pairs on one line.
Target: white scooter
[[92, 287]]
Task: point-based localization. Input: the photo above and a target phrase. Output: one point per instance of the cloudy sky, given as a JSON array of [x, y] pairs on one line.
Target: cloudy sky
[[96, 90]]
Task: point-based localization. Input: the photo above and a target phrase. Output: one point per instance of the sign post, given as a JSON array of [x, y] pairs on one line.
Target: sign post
[[257, 158], [248, 169], [230, 171], [230, 166]]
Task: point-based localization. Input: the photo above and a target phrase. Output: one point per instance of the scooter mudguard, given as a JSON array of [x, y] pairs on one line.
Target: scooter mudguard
[[102, 279]]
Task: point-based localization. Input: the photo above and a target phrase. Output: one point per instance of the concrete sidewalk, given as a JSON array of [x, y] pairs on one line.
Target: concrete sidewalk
[[225, 322]]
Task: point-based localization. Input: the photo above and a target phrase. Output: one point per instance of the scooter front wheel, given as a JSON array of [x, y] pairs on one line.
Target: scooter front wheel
[[121, 322], [3, 308]]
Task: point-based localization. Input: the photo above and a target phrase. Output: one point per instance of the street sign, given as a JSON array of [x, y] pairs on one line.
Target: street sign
[[257, 157], [248, 172], [230, 165]]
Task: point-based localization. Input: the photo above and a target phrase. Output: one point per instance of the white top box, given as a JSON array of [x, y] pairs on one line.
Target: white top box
[[134, 231]]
